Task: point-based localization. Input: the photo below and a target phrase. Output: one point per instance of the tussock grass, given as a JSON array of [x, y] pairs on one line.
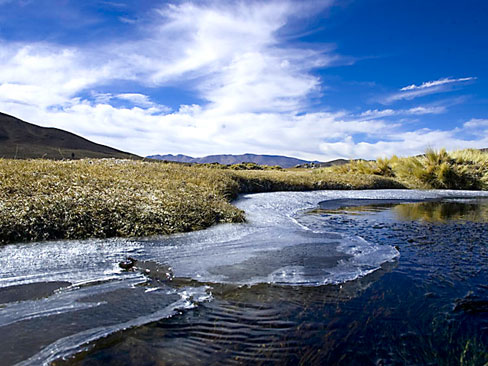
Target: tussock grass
[[462, 169], [45, 199], [42, 199], [306, 180]]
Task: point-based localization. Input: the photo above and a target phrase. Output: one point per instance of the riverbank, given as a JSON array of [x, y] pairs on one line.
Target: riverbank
[[77, 199], [266, 279], [460, 169]]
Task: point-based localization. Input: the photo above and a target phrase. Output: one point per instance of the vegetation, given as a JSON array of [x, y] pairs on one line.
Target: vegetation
[[463, 169], [45, 199], [240, 166]]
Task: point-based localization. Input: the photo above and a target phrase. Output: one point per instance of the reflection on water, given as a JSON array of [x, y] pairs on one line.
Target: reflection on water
[[407, 313], [433, 210], [439, 211]]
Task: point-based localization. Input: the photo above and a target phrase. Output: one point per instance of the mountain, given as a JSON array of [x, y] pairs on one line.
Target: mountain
[[283, 161], [318, 164], [23, 140]]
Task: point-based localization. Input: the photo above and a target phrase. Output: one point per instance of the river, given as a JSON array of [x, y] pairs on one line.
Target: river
[[375, 277]]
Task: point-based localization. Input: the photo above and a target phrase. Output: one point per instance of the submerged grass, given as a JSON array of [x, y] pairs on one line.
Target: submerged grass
[[462, 169], [44, 199]]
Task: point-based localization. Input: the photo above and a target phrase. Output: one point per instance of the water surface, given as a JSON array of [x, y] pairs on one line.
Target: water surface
[[358, 277]]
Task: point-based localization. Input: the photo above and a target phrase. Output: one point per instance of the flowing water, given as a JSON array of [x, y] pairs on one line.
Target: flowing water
[[390, 277]]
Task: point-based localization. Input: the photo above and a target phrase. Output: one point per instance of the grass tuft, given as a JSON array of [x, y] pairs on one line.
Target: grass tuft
[[463, 169]]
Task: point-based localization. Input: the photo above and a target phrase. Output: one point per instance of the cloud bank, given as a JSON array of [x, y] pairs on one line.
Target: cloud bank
[[253, 89]]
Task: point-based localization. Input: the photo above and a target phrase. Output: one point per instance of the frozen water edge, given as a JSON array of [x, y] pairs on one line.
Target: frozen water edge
[[272, 247], [64, 347], [263, 208], [231, 253]]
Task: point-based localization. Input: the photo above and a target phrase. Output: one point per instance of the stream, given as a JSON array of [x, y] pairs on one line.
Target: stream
[[374, 277]]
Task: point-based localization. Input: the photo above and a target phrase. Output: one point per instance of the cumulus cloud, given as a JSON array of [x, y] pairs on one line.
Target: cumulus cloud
[[401, 144], [233, 52], [255, 87]]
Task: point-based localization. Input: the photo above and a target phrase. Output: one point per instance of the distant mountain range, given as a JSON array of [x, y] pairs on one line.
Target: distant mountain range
[[228, 159], [23, 140]]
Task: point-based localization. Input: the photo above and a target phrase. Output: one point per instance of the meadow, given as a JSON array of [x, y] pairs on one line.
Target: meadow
[[77, 199]]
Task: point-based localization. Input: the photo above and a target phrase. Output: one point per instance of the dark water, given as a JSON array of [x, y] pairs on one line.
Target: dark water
[[428, 307]]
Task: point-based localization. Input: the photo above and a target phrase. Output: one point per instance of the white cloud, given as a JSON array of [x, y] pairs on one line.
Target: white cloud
[[136, 98], [476, 123], [376, 113], [47, 75], [127, 20], [199, 131], [401, 144], [429, 87], [143, 101], [430, 84], [419, 110], [254, 86], [425, 110], [231, 50]]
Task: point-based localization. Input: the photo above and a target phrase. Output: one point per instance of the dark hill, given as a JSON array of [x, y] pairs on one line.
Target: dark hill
[[23, 140], [283, 161]]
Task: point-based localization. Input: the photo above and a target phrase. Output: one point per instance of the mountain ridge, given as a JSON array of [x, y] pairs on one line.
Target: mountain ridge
[[229, 159], [23, 140]]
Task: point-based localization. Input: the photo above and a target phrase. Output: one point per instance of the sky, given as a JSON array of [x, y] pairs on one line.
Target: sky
[[317, 80]]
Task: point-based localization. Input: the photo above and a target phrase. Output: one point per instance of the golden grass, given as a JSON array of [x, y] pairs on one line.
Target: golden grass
[[42, 199], [462, 169], [253, 181], [45, 199]]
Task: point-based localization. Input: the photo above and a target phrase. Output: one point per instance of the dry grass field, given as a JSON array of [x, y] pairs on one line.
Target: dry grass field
[[74, 199]]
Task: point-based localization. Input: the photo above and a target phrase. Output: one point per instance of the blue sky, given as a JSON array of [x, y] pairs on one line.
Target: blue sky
[[311, 79]]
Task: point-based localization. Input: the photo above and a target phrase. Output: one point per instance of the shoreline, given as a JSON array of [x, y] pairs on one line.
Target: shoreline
[[49, 200]]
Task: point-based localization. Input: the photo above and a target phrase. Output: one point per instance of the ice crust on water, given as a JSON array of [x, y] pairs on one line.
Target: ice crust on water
[[272, 226], [274, 246], [66, 346], [74, 261]]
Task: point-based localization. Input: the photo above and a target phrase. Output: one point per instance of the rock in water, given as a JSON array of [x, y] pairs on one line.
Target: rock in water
[[128, 263], [155, 271]]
